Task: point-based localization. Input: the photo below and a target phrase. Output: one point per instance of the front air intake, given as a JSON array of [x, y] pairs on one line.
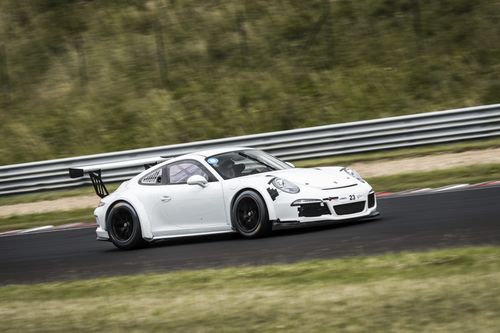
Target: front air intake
[[350, 208], [371, 200], [313, 210]]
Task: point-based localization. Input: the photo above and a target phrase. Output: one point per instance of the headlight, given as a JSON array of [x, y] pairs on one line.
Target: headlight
[[101, 203], [353, 173], [285, 185]]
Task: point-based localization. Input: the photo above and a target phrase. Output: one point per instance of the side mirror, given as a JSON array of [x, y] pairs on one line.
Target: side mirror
[[197, 180], [290, 164]]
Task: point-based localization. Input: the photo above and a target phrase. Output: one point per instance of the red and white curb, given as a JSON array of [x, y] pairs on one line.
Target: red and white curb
[[51, 228]]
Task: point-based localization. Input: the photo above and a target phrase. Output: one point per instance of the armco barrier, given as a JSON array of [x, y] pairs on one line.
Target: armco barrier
[[298, 144]]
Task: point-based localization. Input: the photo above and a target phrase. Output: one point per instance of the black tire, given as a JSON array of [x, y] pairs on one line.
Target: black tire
[[124, 227], [249, 215]]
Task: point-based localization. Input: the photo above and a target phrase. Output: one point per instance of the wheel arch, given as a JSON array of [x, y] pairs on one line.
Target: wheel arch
[[264, 196], [114, 203], [140, 212]]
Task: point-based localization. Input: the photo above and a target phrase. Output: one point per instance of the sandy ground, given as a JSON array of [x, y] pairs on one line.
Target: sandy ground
[[366, 169], [427, 163], [45, 206]]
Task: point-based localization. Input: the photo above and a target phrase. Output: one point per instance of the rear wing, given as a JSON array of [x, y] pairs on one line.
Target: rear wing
[[94, 171]]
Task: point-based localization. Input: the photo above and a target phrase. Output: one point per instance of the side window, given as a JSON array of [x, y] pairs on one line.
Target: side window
[[179, 172], [153, 177]]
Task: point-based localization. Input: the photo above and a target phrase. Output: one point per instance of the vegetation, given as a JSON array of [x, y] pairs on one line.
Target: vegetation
[[55, 218], [438, 291], [82, 76]]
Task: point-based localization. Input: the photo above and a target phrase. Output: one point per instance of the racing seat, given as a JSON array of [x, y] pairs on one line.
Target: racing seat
[[238, 169], [227, 169]]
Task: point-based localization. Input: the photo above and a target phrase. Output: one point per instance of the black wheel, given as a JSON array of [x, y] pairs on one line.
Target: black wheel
[[249, 215], [124, 228]]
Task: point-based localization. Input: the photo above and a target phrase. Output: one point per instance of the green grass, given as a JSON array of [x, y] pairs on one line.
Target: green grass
[[82, 77], [53, 218], [437, 291]]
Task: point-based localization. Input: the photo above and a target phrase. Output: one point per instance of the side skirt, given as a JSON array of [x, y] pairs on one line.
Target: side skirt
[[191, 234]]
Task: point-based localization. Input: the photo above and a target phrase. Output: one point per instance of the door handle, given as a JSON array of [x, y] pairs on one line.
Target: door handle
[[165, 198]]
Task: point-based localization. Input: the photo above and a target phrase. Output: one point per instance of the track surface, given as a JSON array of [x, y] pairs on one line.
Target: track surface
[[467, 217]]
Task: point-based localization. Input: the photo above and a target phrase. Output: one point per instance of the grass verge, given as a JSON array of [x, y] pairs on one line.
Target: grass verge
[[53, 218], [437, 291]]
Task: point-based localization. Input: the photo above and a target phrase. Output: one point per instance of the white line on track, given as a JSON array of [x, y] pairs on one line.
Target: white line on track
[[450, 187], [427, 189], [37, 229]]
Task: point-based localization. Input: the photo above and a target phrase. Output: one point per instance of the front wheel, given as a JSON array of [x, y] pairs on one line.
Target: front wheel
[[124, 227], [249, 215]]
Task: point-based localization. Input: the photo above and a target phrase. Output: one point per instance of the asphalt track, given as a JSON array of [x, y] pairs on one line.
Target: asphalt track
[[414, 222]]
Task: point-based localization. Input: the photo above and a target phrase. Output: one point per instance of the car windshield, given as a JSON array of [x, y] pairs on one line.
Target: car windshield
[[244, 162]]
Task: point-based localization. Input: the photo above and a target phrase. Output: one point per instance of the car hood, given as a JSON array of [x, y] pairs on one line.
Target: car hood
[[322, 178]]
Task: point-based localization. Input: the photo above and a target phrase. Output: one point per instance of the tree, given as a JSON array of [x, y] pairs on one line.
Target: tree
[[158, 29]]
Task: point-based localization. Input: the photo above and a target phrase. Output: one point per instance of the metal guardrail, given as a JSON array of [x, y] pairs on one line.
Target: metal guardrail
[[298, 144]]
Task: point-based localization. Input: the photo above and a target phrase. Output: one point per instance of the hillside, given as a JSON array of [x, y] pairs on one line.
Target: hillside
[[82, 76]]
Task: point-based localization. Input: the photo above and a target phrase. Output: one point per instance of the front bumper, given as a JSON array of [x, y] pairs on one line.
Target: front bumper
[[102, 234], [320, 206], [278, 225]]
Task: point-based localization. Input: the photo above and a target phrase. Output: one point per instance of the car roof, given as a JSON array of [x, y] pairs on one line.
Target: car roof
[[217, 151]]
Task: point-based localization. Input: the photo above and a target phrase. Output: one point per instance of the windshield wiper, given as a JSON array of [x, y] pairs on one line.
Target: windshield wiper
[[256, 160]]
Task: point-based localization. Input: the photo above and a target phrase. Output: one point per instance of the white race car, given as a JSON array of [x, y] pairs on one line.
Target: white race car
[[224, 190]]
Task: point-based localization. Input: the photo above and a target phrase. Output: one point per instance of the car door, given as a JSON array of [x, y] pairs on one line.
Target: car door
[[190, 207]]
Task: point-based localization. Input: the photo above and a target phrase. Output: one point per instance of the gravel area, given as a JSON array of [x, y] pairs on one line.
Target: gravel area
[[427, 163], [45, 206]]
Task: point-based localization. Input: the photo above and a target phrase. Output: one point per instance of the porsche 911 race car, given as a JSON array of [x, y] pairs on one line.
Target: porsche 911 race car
[[224, 190]]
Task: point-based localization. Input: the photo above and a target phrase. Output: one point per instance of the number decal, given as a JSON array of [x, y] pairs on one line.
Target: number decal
[[352, 197]]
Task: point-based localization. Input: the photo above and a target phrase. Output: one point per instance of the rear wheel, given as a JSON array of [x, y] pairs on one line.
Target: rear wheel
[[249, 215], [124, 227]]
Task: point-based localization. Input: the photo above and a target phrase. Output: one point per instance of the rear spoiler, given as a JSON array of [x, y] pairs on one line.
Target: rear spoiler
[[94, 171]]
